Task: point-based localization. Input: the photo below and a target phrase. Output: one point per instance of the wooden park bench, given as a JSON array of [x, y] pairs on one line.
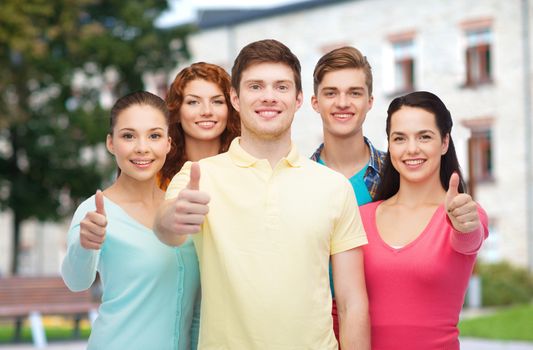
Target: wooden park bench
[[32, 297]]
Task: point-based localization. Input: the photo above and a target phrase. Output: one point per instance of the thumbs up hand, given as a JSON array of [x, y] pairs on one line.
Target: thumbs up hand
[[191, 205], [93, 225], [461, 208]]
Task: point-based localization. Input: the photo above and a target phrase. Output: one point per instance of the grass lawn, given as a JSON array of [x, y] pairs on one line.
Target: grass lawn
[[56, 328], [515, 323]]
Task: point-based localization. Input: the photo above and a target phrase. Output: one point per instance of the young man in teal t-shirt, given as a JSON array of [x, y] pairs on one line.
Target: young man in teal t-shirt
[[342, 84]]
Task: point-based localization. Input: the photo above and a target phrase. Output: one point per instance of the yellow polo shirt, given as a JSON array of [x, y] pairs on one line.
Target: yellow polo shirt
[[264, 249]]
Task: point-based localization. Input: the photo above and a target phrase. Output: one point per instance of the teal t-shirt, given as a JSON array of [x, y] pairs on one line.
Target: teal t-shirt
[[359, 187], [363, 197], [358, 183]]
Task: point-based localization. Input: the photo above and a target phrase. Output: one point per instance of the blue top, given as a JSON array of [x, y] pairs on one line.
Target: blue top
[[359, 187], [358, 184], [151, 292]]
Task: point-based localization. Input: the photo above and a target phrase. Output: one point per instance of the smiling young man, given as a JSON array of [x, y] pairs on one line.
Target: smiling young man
[[266, 221], [342, 83]]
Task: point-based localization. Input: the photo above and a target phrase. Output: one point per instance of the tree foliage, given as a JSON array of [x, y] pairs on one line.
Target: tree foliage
[[57, 57]]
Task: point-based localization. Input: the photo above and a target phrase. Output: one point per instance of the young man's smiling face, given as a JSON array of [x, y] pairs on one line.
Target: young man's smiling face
[[267, 101], [343, 100]]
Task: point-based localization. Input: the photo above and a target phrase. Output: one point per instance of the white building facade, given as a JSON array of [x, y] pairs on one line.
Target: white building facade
[[470, 53]]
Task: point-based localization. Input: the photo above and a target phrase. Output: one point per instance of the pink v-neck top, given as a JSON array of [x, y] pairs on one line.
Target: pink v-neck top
[[416, 292]]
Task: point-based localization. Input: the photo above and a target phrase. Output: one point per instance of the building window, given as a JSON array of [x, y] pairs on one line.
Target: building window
[[481, 154], [401, 47], [478, 56], [404, 66], [480, 147]]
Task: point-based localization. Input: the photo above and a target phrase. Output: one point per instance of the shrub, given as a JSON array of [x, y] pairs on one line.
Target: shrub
[[504, 284]]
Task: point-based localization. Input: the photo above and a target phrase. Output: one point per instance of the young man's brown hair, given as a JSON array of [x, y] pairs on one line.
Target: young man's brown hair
[[265, 51], [342, 58]]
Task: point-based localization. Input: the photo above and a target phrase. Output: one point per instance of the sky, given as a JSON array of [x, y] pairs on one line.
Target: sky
[[182, 11]]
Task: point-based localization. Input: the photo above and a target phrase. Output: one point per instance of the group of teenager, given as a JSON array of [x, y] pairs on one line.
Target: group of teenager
[[219, 234]]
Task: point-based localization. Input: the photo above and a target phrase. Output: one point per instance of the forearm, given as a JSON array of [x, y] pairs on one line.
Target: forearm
[[352, 299], [78, 268], [354, 326], [469, 243]]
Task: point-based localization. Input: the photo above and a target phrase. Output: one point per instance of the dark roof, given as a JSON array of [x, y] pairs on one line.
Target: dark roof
[[226, 17]]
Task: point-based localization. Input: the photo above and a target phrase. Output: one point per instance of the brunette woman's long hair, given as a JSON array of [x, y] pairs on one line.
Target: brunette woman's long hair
[[449, 164], [177, 155]]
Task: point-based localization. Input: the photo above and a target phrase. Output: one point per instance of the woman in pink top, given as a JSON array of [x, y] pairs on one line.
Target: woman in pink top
[[423, 232]]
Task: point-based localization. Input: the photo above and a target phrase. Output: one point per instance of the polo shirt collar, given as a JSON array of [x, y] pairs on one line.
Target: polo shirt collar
[[293, 158], [244, 159]]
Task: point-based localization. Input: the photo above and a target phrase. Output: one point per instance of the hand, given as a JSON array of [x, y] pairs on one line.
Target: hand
[[461, 208], [93, 225], [191, 206]]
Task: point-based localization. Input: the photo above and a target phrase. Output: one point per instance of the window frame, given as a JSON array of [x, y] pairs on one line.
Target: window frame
[[480, 150], [403, 48], [478, 52]]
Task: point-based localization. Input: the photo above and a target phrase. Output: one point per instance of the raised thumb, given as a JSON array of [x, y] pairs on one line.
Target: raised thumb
[[99, 201], [194, 182], [453, 188]]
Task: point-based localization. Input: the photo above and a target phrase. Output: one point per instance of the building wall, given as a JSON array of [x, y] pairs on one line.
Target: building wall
[[43, 246], [5, 243], [439, 37]]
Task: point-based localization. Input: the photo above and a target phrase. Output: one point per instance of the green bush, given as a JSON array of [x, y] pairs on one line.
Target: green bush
[[504, 284]]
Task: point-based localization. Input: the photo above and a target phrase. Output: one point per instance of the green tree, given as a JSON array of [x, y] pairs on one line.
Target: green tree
[[52, 123]]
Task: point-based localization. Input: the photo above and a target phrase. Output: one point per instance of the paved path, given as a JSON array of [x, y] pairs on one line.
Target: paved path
[[478, 344], [466, 344]]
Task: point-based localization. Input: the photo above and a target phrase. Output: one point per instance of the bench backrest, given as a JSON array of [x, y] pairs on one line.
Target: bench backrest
[[39, 290]]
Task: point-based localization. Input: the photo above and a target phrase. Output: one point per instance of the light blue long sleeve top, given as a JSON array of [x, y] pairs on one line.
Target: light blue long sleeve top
[[150, 291]]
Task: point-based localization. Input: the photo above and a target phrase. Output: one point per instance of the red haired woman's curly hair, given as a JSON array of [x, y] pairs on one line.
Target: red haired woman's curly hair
[[177, 155]]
